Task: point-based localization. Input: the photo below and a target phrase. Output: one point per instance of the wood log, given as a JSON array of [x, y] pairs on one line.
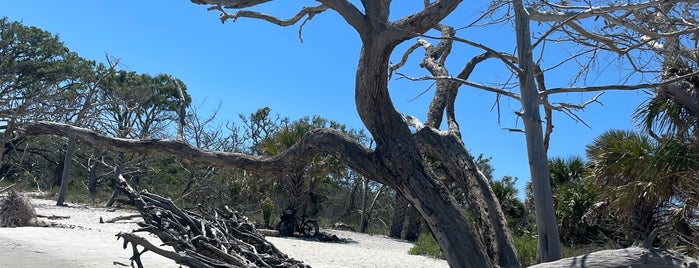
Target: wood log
[[626, 257]]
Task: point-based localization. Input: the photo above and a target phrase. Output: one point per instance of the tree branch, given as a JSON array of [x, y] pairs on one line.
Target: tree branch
[[618, 87], [316, 142], [348, 11], [465, 82], [308, 12], [232, 4], [427, 18]]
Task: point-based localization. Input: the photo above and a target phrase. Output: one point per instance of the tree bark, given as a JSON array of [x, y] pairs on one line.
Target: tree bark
[[65, 176], [364, 221], [449, 149], [412, 232], [625, 257], [93, 178], [399, 209], [549, 245]]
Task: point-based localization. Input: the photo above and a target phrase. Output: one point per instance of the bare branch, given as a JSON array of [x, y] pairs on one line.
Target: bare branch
[[348, 11], [504, 57], [307, 12], [403, 59], [465, 82], [316, 142], [618, 87], [548, 16], [233, 4], [422, 21]]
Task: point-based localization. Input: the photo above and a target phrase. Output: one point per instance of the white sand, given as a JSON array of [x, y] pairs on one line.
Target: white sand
[[93, 244]]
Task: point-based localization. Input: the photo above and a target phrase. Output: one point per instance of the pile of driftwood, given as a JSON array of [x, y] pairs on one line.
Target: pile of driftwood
[[209, 238]]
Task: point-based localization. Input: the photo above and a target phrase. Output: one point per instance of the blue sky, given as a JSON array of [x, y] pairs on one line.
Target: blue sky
[[248, 64]]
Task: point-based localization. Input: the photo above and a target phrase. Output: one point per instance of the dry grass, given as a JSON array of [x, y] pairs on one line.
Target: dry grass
[[16, 210]]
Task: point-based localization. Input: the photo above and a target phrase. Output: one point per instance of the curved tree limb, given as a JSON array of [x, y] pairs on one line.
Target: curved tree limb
[[425, 19], [233, 4], [307, 12], [315, 142], [459, 167], [348, 11]]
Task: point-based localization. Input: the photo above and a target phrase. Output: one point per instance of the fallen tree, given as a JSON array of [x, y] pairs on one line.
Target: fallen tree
[[210, 238], [626, 257]]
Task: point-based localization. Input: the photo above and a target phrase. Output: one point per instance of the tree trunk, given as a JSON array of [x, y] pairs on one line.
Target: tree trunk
[[397, 152], [93, 178], [549, 245], [457, 165], [115, 192], [399, 209], [396, 161], [57, 174], [414, 222], [364, 219], [625, 257], [67, 164]]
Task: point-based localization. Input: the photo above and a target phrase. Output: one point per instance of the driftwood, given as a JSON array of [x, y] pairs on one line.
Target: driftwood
[[210, 238], [7, 188], [626, 257], [120, 218]]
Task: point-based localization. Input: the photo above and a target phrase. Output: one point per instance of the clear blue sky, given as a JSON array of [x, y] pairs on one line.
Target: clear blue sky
[[248, 64]]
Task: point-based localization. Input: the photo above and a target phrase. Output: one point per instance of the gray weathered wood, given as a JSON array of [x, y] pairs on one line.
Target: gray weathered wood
[[636, 257]]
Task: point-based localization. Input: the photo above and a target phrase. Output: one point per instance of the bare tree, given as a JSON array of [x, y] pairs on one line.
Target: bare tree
[[102, 72], [397, 160], [636, 33]]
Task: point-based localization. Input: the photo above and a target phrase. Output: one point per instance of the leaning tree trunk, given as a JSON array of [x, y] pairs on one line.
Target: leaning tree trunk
[[398, 154], [456, 164], [65, 175]]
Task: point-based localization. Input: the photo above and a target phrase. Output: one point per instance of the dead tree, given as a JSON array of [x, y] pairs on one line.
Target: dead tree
[[397, 159], [210, 238]]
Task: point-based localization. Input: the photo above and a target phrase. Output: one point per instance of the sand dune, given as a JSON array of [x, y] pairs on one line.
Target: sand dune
[[85, 242]]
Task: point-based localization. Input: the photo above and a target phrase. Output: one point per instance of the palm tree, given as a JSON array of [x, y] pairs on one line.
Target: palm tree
[[648, 183], [572, 198], [669, 113]]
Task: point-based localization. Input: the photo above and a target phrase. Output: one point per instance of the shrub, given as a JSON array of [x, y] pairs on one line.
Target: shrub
[[427, 245], [526, 249], [16, 210]]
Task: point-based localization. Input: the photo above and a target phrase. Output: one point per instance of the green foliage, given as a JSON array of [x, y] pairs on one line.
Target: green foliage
[[39, 77], [647, 183], [526, 249], [573, 197], [267, 206], [660, 114], [140, 105], [514, 209], [36, 69], [572, 200], [427, 245]]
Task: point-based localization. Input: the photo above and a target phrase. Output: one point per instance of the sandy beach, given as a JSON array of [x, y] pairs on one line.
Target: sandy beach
[[85, 242]]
